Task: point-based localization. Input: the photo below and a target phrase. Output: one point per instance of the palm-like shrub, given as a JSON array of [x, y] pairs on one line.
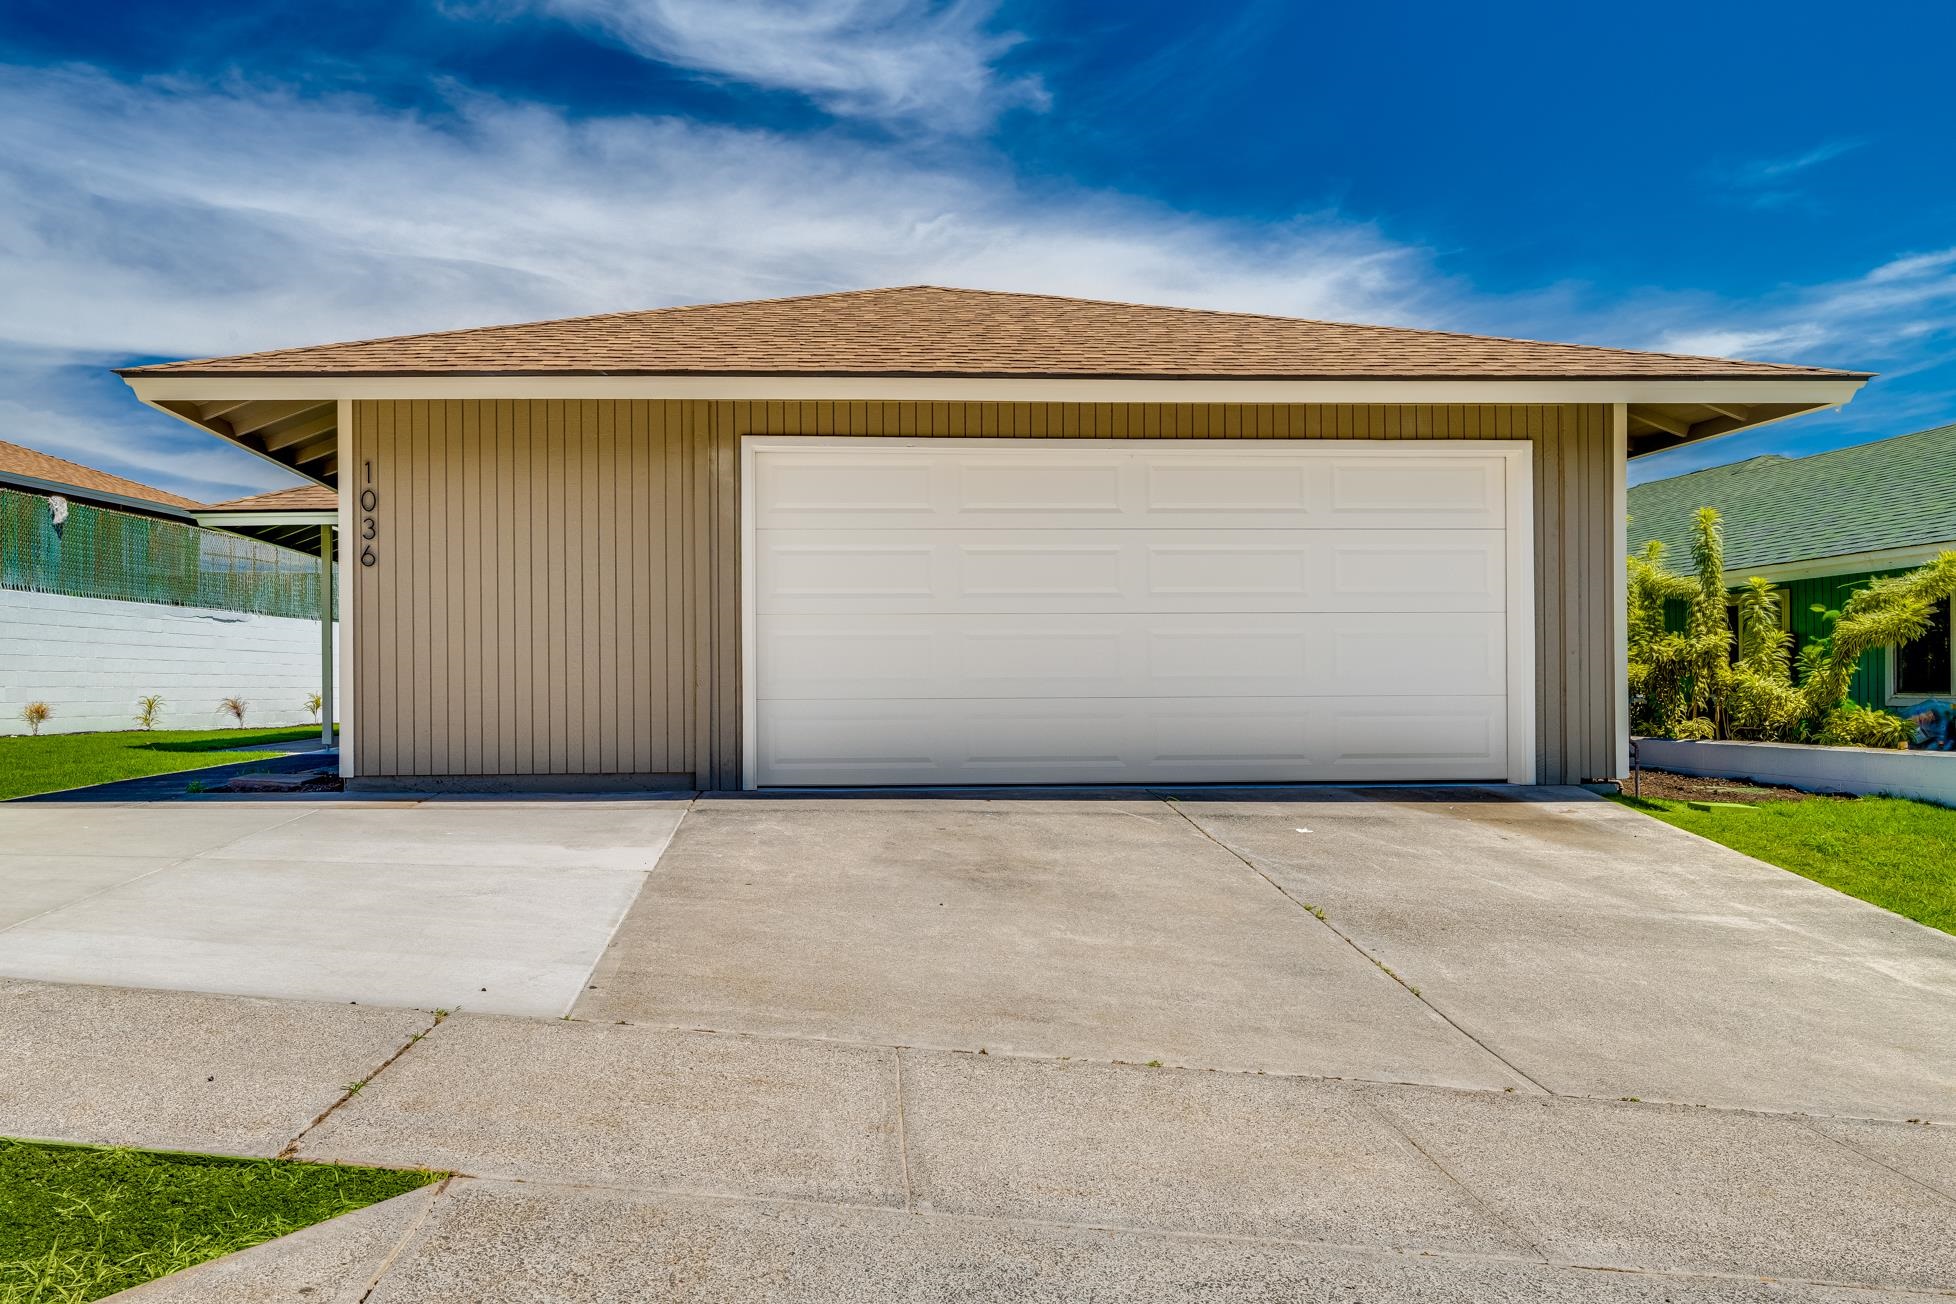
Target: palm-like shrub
[[1690, 685]]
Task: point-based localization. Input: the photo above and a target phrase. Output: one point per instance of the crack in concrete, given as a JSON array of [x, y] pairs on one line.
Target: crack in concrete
[[903, 1134], [407, 1238], [291, 1149]]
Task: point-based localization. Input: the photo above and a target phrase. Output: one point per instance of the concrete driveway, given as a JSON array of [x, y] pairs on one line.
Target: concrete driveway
[[1390, 1045], [1450, 936], [497, 906]]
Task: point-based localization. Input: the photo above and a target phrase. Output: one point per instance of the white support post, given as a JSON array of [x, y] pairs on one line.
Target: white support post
[[325, 636], [1620, 581], [349, 492]]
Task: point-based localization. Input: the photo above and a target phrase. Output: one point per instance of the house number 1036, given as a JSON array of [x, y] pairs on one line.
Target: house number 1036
[[369, 503]]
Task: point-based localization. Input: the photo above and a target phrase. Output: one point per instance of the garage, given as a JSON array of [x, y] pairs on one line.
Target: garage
[[932, 536], [945, 611]]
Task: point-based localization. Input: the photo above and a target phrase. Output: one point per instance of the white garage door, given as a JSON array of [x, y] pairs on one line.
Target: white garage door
[[952, 612]]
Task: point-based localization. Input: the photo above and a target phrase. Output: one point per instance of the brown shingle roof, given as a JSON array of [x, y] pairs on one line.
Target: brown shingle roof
[[923, 330], [299, 498], [32, 464]]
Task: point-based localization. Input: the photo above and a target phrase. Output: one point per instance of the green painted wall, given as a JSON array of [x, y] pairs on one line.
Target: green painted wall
[[1870, 684]]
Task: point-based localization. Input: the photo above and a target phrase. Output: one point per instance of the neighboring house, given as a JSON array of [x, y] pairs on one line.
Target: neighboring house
[[1821, 527], [935, 536], [28, 470], [110, 591]]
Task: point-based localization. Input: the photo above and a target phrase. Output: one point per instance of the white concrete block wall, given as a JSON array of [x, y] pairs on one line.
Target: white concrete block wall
[[1925, 776], [91, 658]]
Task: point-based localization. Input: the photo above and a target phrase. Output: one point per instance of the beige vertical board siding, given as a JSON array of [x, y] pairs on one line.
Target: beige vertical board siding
[[558, 587]]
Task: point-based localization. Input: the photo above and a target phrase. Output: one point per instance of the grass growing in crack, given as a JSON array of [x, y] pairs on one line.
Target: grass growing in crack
[[80, 1222]]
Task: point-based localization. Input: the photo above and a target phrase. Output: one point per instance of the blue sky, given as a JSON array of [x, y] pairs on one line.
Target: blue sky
[[185, 178]]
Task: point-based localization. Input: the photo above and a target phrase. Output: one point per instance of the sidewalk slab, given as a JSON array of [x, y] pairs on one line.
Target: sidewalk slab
[[495, 1243], [181, 1071], [1926, 1153], [333, 1262], [1172, 1150], [1679, 1188], [1102, 929], [640, 1107]]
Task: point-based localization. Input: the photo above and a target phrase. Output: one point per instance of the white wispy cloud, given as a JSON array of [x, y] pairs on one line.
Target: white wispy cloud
[[171, 220], [911, 63], [1775, 183], [174, 219], [1882, 314], [1767, 171]]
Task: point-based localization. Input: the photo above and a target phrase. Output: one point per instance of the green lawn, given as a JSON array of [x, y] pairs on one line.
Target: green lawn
[[1901, 855], [78, 1223], [53, 762]]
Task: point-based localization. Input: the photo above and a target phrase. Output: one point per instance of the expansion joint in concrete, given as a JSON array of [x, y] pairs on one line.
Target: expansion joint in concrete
[[353, 1089], [903, 1135], [1319, 915]]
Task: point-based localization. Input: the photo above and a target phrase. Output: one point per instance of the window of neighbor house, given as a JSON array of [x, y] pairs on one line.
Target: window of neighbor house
[[1923, 668]]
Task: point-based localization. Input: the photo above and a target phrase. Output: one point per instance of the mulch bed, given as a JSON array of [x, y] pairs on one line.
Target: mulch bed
[[1691, 787]]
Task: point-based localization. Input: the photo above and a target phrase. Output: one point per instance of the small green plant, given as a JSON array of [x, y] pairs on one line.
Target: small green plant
[[355, 1088], [148, 711], [36, 714], [1854, 725], [314, 704], [235, 707]]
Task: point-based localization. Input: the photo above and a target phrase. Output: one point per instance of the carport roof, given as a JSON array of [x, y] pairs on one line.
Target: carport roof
[[924, 330]]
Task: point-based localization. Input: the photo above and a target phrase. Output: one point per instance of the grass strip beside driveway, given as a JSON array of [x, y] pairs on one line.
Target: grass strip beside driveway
[[1900, 855], [57, 762], [80, 1222]]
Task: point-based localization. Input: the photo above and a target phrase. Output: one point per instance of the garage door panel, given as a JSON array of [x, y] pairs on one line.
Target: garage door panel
[[1250, 740], [1128, 655], [965, 571], [1399, 739], [1166, 489], [1420, 492]]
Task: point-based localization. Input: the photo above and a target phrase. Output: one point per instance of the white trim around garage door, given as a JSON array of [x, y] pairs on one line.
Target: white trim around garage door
[[1519, 528]]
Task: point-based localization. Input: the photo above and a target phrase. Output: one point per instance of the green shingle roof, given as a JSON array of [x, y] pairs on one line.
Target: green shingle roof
[[1893, 493]]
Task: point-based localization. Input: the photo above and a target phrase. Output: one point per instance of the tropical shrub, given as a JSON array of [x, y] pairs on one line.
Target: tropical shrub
[[314, 703], [148, 711], [35, 714], [1691, 685], [235, 707]]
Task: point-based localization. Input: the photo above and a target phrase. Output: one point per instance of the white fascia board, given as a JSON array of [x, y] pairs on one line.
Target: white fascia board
[[1847, 563], [1821, 393], [326, 516]]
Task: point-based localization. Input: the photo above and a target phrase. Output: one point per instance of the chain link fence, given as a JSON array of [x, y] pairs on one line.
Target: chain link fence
[[99, 553]]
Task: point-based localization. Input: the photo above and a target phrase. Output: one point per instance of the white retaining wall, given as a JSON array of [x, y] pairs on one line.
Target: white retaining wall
[[1926, 776], [91, 658]]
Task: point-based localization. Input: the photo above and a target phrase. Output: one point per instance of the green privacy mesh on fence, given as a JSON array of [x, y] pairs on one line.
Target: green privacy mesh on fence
[[98, 553]]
